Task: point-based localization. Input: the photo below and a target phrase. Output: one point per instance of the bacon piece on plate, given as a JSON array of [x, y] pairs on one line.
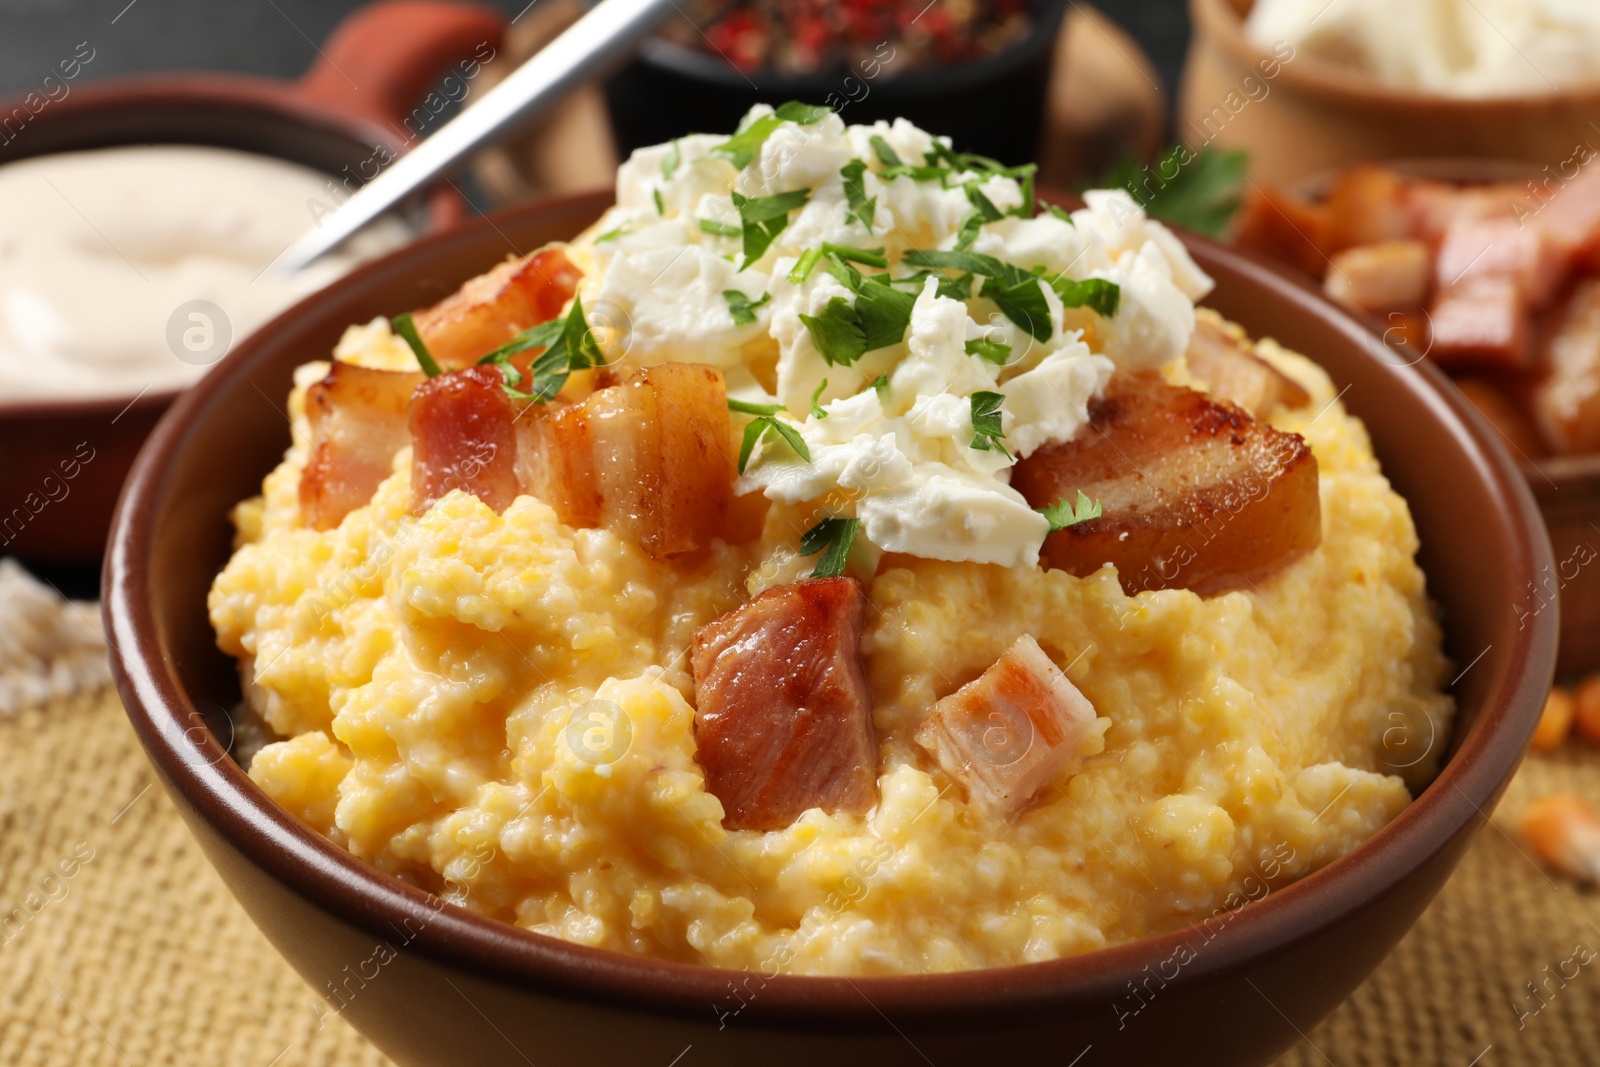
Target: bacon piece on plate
[[1567, 398], [463, 437], [784, 719], [358, 423], [1366, 205], [1224, 359], [1474, 252], [647, 459], [1485, 323], [1195, 493], [1010, 731], [1572, 219], [1377, 277], [491, 309], [1285, 228]]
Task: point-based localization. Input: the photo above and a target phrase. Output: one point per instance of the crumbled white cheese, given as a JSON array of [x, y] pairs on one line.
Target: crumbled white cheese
[[895, 446]]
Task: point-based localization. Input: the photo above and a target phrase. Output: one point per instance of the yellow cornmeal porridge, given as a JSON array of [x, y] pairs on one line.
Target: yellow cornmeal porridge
[[425, 672]]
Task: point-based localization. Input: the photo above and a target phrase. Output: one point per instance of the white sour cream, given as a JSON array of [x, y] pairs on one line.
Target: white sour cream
[[132, 269], [1472, 48]]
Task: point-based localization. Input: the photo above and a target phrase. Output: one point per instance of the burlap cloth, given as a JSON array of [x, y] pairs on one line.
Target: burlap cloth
[[141, 957]]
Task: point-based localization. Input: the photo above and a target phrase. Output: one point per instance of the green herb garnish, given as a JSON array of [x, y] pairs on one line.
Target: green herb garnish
[[748, 408], [833, 538], [742, 147], [764, 217], [986, 426], [1061, 213], [816, 409], [612, 235], [862, 207], [763, 425], [872, 257], [568, 345], [1205, 190], [836, 332], [1062, 514], [884, 151], [1101, 296], [720, 229], [804, 265], [996, 352], [670, 161], [1014, 291], [655, 194], [741, 307], [402, 325]]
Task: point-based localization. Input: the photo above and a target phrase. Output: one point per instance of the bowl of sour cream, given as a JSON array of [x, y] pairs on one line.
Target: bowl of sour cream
[[1307, 86], [140, 223]]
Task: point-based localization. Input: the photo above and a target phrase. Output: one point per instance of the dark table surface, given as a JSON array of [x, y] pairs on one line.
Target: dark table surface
[[279, 38]]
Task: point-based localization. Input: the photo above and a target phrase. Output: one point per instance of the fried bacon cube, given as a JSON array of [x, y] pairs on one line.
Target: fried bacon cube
[[1486, 322], [1572, 219], [1223, 358], [1473, 252], [1007, 733], [784, 714], [1368, 204], [1286, 228], [358, 423], [463, 437], [647, 459], [1195, 493], [1377, 277], [1566, 399], [491, 309]]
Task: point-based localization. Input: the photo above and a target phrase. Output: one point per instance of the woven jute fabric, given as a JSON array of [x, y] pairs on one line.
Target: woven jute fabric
[[129, 952]]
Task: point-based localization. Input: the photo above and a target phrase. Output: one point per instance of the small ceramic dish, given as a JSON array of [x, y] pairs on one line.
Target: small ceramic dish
[[1301, 116], [432, 984], [65, 460]]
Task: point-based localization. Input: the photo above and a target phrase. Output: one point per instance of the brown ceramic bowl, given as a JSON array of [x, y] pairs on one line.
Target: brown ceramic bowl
[[1310, 115], [458, 988], [65, 460]]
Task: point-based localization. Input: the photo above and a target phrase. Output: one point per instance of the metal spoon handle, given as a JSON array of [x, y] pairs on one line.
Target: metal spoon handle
[[602, 36]]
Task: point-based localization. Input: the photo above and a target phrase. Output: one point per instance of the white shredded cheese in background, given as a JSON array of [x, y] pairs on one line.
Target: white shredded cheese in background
[[50, 647], [900, 454]]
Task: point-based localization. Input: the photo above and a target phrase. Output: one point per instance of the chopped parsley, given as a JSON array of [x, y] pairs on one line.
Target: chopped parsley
[[1061, 213], [880, 383], [983, 210], [833, 538], [872, 257], [720, 229], [804, 265], [986, 428], [836, 332], [670, 161], [742, 147], [816, 409], [612, 235], [1062, 514], [761, 426], [741, 307], [1016, 292], [568, 345], [402, 325], [885, 152], [764, 217], [996, 352], [655, 194], [843, 331], [1204, 191], [862, 207], [748, 408]]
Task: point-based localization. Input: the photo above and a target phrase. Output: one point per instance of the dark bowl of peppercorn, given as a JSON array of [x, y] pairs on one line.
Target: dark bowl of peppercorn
[[975, 70]]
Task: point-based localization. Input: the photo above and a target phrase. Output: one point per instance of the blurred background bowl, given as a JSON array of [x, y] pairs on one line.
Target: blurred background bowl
[[1324, 115], [395, 50]]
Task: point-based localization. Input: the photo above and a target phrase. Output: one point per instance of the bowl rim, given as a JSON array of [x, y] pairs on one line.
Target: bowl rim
[[1221, 21], [199, 772], [179, 89]]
